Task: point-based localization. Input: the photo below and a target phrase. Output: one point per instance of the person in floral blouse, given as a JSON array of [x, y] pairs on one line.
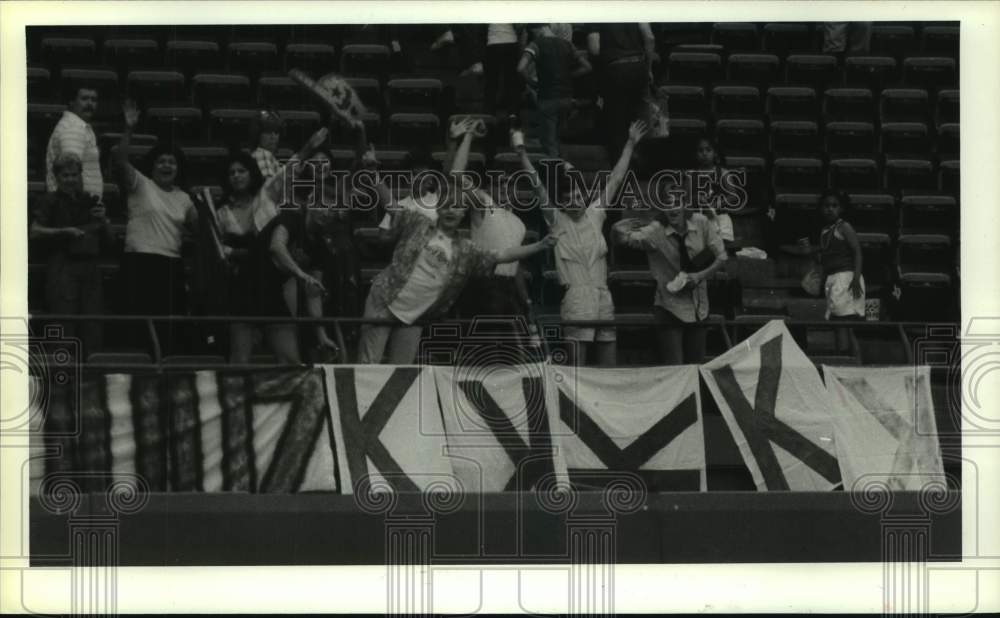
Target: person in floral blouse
[[429, 268]]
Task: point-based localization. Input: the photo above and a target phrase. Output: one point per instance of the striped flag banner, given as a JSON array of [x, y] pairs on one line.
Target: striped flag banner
[[778, 411], [885, 427], [499, 423], [644, 420], [387, 427]]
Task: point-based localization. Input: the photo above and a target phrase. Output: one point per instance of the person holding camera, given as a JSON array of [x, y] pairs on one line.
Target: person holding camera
[[74, 226], [684, 249]]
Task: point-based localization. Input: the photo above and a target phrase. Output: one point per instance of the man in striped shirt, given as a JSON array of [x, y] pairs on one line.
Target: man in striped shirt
[[74, 135]]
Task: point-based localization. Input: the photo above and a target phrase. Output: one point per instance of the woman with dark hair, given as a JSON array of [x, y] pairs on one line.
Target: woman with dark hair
[[840, 258], [159, 210], [708, 158], [249, 206]]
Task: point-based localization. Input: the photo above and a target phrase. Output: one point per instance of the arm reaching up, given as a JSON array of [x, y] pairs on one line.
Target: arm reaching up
[[121, 162], [517, 141], [635, 133]]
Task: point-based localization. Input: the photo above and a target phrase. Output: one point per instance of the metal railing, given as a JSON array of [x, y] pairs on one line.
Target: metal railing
[[729, 330]]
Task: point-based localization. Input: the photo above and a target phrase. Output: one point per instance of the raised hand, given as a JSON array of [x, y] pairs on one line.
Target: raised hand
[[459, 128], [517, 139], [636, 132], [131, 113]]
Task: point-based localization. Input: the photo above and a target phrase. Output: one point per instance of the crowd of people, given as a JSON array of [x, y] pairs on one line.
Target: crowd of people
[[273, 246]]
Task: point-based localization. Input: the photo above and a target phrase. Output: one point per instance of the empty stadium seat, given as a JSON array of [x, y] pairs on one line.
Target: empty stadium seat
[[156, 87], [131, 54], [587, 158], [281, 92], [736, 37], [685, 101], [948, 180], [757, 69], [758, 184], [204, 164], [798, 175], [852, 104], [783, 38], [695, 68], [849, 139], [252, 57], [736, 102], [872, 72], [947, 106], [42, 118], [797, 214], [928, 214], [875, 259], [415, 95], [314, 58], [364, 60], [925, 297], [740, 137], [40, 87], [790, 103], [368, 90], [175, 123], [417, 129], [854, 175], [816, 70], [905, 139], [904, 105], [69, 51], [929, 73], [893, 40], [231, 126], [192, 56], [940, 40], [873, 212], [794, 138], [687, 127], [221, 90], [908, 175], [930, 253], [300, 124], [948, 142]]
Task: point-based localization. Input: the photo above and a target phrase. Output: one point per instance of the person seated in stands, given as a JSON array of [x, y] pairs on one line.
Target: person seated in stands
[[581, 254], [73, 226], [429, 268], [684, 249], [159, 212], [269, 126], [839, 256], [556, 64]]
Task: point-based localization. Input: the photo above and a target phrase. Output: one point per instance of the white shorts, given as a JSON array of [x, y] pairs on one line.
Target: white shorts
[[587, 303], [839, 299]]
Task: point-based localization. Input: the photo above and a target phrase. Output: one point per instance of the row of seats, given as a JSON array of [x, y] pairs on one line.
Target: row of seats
[[894, 39], [692, 64]]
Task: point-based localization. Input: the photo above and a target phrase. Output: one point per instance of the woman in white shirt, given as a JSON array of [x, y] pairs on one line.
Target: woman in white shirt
[[159, 210]]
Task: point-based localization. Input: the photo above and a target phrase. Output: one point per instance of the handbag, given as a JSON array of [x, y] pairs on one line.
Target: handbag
[[812, 281]]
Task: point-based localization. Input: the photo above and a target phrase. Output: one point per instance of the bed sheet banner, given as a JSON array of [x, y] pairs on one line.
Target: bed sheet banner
[[499, 422], [644, 420], [778, 411], [885, 428], [388, 430]]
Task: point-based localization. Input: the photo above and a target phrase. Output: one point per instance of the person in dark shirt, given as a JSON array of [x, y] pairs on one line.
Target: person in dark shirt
[[625, 54], [75, 226], [556, 64]]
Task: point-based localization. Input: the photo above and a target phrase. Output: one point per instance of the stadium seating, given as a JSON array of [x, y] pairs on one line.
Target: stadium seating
[[313, 58], [797, 175], [948, 178], [736, 102], [929, 73], [789, 103], [905, 139], [904, 105], [854, 175], [891, 39], [873, 212], [946, 109], [872, 72], [694, 68], [928, 214], [151, 88], [174, 123], [948, 141], [129, 54], [281, 92], [685, 101], [252, 57], [756, 69], [362, 60], [220, 90], [848, 104], [939, 40], [736, 37], [415, 95], [741, 137], [192, 56], [909, 176], [816, 71], [60, 51], [849, 139], [782, 39], [794, 138]]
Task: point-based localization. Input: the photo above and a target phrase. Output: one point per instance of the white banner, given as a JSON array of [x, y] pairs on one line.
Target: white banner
[[778, 410], [885, 427], [499, 423], [631, 420]]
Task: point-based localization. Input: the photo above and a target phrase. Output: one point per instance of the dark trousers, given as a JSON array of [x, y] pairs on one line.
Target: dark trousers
[[552, 114], [74, 287], [679, 343], [154, 285], [624, 85], [503, 84]]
